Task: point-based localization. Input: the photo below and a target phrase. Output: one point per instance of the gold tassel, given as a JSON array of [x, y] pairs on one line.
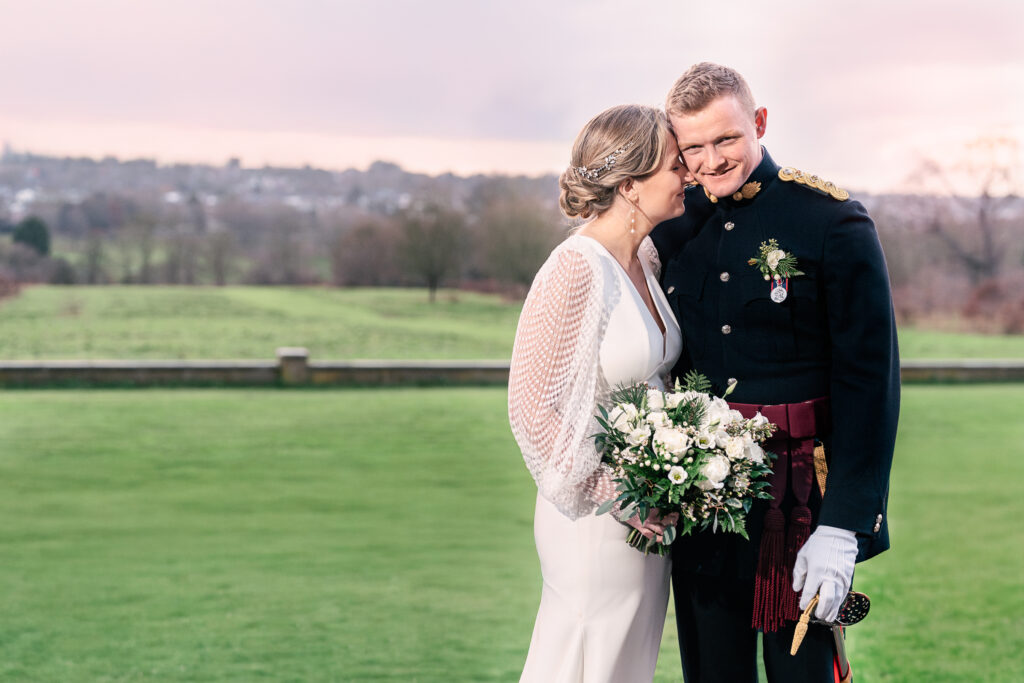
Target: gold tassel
[[801, 626]]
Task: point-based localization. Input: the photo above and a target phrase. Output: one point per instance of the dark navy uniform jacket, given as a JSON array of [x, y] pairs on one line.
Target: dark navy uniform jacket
[[834, 335]]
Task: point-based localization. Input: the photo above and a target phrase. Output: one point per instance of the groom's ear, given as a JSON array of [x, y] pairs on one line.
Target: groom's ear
[[760, 120]]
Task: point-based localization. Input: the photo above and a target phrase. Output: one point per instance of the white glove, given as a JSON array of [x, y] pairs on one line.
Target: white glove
[[824, 566]]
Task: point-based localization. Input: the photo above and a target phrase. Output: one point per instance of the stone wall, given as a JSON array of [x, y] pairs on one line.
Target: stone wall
[[294, 369]]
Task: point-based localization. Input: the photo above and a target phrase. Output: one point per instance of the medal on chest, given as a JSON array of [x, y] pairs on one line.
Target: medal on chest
[[780, 290]]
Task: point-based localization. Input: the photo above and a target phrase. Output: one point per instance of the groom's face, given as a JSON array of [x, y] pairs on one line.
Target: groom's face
[[719, 144]]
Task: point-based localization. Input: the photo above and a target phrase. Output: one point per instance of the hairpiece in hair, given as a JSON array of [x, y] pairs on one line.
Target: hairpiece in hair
[[609, 161]]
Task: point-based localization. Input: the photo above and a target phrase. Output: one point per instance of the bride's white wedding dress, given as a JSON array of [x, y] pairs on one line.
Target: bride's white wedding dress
[[585, 330]]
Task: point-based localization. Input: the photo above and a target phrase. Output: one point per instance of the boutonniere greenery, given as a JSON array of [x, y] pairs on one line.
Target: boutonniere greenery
[[774, 263]]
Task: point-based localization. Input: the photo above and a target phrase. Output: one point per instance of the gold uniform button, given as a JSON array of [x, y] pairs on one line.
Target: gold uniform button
[[729, 226], [724, 277], [726, 329]]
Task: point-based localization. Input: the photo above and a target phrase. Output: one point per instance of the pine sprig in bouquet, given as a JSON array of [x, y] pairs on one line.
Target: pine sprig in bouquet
[[683, 451]]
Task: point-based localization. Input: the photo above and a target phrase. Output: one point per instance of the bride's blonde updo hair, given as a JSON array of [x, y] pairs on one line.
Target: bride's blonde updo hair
[[590, 183]]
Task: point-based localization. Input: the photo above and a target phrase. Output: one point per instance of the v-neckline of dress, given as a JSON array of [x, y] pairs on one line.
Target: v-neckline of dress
[[663, 326]]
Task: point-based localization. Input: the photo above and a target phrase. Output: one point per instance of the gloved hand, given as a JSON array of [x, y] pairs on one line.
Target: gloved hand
[[824, 566]]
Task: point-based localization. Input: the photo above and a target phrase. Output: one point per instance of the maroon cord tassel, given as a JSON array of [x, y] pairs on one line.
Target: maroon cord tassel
[[771, 574], [799, 532]]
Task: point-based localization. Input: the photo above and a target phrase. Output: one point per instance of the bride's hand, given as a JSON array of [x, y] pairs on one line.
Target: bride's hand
[[654, 526]]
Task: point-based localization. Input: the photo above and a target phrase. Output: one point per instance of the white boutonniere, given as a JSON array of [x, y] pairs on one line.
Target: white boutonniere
[[777, 266]]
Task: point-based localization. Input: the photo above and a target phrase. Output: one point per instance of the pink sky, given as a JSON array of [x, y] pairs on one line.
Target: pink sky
[[856, 92]]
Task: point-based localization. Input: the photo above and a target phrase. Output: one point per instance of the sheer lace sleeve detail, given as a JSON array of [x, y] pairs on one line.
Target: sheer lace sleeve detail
[[555, 380], [649, 253]]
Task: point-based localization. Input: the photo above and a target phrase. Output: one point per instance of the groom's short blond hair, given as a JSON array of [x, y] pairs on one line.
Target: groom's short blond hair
[[702, 83]]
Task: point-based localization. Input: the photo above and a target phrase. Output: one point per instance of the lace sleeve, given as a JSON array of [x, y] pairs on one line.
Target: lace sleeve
[[554, 381], [649, 253]]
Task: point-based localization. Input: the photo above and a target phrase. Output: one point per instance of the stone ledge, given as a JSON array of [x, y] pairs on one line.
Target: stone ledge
[[293, 368]]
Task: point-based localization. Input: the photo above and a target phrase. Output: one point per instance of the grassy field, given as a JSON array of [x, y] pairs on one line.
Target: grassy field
[[379, 535], [250, 322]]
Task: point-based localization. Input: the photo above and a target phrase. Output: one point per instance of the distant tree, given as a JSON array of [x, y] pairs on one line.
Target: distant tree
[[433, 239], [977, 184], [517, 234], [365, 254], [219, 249], [181, 256], [33, 232], [93, 266]]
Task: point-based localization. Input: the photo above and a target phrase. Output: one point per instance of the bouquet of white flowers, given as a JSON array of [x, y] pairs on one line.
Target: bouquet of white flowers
[[683, 451]]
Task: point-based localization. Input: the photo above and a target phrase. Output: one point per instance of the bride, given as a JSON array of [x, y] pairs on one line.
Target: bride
[[596, 318]]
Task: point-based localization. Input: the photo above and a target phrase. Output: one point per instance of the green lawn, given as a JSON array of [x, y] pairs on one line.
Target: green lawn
[[250, 322], [386, 535]]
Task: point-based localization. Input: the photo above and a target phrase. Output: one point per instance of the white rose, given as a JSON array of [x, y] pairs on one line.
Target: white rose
[[754, 453], [655, 399], [734, 448], [639, 436], [774, 257], [659, 418], [618, 420], [677, 475], [671, 440], [716, 470]]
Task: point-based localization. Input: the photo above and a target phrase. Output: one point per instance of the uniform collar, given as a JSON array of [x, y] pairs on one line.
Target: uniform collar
[[754, 186]]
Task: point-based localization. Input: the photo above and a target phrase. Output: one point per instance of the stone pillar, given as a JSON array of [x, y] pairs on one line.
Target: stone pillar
[[292, 364]]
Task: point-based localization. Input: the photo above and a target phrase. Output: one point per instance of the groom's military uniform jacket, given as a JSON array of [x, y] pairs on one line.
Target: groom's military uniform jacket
[[832, 336]]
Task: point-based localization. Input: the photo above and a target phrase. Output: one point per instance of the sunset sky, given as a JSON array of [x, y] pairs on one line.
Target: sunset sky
[[856, 92]]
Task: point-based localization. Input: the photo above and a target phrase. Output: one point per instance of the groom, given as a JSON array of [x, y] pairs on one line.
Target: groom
[[779, 284]]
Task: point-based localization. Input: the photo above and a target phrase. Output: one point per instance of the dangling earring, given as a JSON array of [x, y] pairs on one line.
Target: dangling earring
[[632, 220]]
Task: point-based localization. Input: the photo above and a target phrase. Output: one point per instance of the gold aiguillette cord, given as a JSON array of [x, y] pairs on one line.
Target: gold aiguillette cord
[[801, 626]]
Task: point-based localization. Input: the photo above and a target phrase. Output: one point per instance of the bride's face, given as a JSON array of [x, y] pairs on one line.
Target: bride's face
[[660, 195]]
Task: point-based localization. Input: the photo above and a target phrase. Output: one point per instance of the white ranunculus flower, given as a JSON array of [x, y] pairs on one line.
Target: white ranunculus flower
[[716, 470], [655, 399], [734, 447], [672, 440], [677, 475], [659, 418], [639, 436], [754, 453], [774, 257]]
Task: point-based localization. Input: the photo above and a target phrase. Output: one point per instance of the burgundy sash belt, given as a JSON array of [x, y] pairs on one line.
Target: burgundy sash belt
[[775, 601]]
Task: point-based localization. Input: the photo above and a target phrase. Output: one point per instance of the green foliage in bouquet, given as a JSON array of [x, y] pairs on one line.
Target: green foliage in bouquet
[[682, 451]]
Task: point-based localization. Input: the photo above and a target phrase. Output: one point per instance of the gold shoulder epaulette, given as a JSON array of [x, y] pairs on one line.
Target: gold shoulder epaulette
[[825, 186]]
